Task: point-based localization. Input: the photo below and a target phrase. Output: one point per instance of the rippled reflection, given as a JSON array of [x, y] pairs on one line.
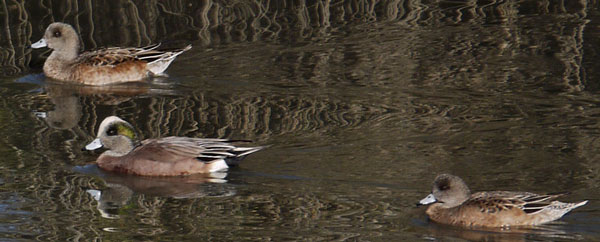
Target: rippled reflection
[[120, 188], [361, 103], [551, 232]]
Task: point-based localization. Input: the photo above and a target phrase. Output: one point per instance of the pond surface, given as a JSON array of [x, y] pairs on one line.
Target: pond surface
[[362, 104]]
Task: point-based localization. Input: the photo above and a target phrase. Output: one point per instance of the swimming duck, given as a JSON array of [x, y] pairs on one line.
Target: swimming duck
[[169, 156], [102, 66], [452, 203]]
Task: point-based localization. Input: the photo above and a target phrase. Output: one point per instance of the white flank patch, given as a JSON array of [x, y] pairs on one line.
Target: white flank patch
[[218, 165]]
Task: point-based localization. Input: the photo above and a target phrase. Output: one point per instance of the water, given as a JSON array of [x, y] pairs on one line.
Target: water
[[362, 103]]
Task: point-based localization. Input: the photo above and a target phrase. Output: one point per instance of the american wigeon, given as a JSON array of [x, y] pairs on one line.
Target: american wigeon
[[452, 203], [169, 156], [102, 66]]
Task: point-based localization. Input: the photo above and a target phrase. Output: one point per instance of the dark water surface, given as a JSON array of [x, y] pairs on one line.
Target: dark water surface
[[362, 103]]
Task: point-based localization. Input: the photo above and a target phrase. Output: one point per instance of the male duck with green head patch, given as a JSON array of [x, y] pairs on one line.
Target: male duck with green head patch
[[169, 156]]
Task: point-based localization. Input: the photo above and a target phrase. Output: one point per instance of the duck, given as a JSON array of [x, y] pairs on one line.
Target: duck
[[452, 203], [167, 156], [102, 66]]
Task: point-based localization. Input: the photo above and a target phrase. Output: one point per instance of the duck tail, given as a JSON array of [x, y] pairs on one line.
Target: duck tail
[[244, 151], [241, 153], [158, 66], [579, 204], [556, 210]]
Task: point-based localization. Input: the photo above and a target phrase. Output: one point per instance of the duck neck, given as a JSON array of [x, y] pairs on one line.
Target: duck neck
[[68, 52], [124, 148], [60, 64]]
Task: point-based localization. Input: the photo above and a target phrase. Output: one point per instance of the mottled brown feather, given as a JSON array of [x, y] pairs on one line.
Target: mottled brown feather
[[455, 205], [102, 66]]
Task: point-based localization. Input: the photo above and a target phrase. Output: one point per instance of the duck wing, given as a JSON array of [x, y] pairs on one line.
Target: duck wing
[[205, 150], [529, 203], [116, 55]]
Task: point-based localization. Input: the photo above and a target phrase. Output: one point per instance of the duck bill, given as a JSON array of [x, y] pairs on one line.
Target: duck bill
[[96, 144], [427, 200], [39, 44]]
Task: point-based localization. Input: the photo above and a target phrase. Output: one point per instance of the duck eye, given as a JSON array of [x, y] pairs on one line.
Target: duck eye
[[111, 131], [57, 34], [443, 185]]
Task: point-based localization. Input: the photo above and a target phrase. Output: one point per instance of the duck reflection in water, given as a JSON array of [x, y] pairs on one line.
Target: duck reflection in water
[[66, 99], [553, 232], [120, 188]]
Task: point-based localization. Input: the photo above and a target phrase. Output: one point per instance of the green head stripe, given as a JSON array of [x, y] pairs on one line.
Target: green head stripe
[[126, 130]]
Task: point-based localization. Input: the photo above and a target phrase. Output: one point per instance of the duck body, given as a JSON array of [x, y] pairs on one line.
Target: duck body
[[102, 66], [169, 156], [452, 203]]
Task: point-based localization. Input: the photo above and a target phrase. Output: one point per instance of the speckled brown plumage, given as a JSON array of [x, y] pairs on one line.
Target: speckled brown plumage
[[102, 66], [455, 205]]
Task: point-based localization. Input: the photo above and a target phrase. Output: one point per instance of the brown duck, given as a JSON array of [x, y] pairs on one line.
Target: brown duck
[[452, 203], [102, 66]]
